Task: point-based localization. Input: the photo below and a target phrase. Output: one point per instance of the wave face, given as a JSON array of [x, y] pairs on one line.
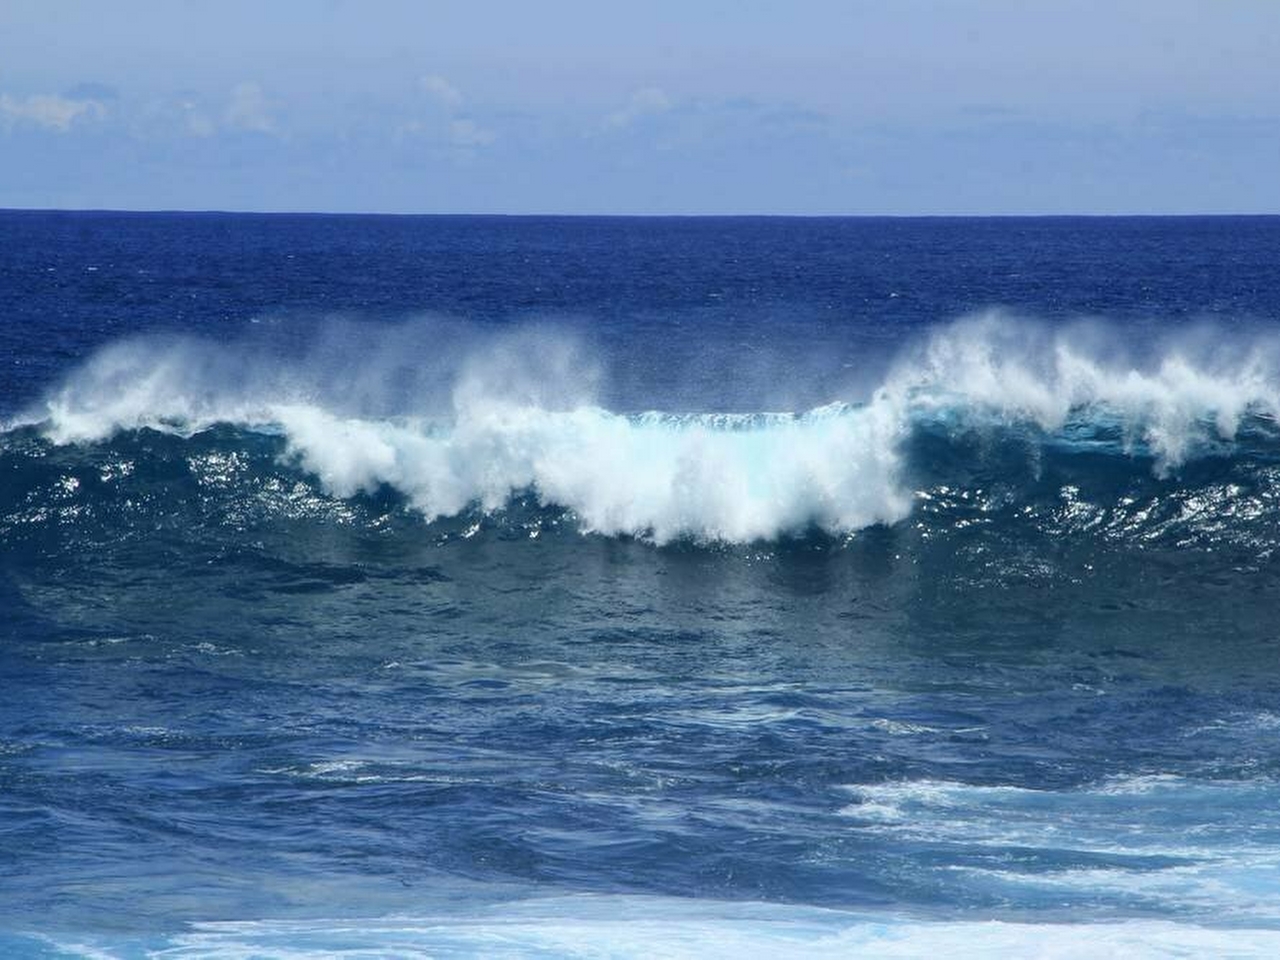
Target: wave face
[[700, 586], [985, 405]]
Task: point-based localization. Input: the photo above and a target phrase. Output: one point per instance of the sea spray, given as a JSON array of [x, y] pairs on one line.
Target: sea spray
[[519, 417]]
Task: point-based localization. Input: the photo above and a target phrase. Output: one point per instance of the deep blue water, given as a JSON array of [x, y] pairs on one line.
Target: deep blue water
[[538, 586]]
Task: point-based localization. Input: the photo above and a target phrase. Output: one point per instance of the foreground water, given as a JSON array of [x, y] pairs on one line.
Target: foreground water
[[591, 587]]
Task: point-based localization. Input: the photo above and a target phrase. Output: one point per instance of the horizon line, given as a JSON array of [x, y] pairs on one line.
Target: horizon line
[[213, 211]]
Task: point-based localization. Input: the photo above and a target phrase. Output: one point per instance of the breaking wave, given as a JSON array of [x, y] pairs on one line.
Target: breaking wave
[[518, 414]]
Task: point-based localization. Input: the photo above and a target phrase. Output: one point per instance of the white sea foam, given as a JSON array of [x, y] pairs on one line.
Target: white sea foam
[[1150, 815], [1205, 847], [517, 412], [620, 926], [660, 476], [1193, 386]]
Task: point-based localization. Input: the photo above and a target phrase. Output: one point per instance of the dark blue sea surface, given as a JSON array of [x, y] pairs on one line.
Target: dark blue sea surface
[[455, 586]]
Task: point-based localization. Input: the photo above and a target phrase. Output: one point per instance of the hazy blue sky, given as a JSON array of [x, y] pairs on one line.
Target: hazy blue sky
[[898, 106]]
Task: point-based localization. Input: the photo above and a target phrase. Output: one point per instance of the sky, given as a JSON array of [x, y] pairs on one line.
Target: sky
[[813, 107]]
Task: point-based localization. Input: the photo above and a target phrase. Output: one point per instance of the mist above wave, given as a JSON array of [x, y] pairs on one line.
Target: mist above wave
[[452, 417], [1171, 396]]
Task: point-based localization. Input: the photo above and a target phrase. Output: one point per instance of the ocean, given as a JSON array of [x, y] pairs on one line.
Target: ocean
[[612, 587]]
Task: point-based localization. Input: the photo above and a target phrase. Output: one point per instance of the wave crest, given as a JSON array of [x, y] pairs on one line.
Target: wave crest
[[661, 476], [517, 414], [1193, 387]]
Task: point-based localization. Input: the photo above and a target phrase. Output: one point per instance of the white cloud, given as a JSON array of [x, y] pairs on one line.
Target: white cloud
[[462, 134], [442, 91], [249, 109], [647, 101], [465, 132], [446, 122], [198, 125], [48, 110]]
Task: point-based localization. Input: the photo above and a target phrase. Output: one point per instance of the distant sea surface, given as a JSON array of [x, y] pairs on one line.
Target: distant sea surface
[[454, 586]]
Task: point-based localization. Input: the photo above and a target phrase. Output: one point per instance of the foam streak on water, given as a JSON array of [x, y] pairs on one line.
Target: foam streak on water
[[590, 928]]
